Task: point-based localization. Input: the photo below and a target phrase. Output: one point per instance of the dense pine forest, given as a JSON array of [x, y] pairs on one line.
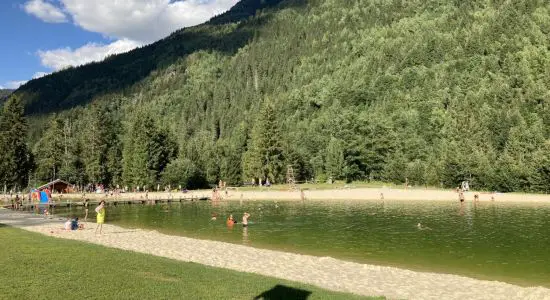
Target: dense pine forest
[[429, 92]]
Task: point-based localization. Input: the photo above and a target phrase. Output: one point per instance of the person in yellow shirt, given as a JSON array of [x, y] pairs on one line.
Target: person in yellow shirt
[[100, 210]]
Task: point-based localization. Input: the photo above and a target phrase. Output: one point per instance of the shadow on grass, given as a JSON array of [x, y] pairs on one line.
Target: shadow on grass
[[280, 292]]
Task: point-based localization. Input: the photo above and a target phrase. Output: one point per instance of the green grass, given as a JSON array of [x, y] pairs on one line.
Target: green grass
[[41, 267]]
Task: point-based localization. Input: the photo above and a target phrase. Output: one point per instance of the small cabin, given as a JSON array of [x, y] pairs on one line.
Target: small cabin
[[58, 186]]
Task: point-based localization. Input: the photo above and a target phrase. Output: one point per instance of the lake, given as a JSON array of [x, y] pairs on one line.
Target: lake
[[495, 241]]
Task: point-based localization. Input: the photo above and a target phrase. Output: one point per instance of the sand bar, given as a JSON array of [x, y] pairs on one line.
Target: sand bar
[[325, 272]]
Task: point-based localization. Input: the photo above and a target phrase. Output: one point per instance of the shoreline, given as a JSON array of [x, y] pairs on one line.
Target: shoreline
[[326, 272], [383, 193]]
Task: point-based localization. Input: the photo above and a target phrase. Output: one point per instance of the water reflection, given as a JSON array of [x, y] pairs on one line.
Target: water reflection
[[245, 235]]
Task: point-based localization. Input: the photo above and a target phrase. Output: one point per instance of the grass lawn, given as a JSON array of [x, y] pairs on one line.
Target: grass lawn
[[35, 266]]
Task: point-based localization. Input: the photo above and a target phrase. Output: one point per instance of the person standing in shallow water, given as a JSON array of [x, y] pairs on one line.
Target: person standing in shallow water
[[461, 196], [100, 210], [230, 222], [86, 210], [245, 219]]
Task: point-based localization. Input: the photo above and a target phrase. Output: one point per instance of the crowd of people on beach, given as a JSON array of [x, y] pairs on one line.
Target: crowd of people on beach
[[73, 222]]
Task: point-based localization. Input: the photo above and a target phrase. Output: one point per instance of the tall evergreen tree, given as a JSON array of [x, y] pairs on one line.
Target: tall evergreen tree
[[146, 153], [334, 158], [16, 161], [540, 179], [231, 155], [50, 151], [264, 159], [72, 166]]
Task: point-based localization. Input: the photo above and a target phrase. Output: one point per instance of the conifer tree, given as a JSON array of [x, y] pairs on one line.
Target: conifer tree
[[49, 151], [540, 178], [264, 159], [231, 156], [72, 166], [334, 158], [102, 151], [147, 151], [16, 161]]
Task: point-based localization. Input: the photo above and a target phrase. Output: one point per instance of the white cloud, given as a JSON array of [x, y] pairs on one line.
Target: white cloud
[[66, 57], [14, 84], [45, 11], [142, 20], [131, 23]]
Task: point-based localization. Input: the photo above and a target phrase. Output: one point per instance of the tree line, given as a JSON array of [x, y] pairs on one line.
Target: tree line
[[426, 92]]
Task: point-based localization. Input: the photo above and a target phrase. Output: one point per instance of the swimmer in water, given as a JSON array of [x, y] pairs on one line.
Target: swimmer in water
[[419, 226], [230, 221], [245, 219]]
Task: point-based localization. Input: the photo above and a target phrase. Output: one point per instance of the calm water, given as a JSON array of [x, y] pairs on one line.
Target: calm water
[[490, 241]]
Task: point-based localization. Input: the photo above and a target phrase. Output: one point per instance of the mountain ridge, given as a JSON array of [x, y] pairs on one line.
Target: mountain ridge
[[126, 69]]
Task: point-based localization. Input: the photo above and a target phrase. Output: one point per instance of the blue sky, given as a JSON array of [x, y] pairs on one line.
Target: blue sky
[[41, 36]]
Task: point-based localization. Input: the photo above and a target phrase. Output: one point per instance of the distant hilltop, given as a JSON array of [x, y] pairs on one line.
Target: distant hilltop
[[4, 93]]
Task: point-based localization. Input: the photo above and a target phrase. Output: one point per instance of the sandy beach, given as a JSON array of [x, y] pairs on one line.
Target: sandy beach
[[325, 272], [320, 194]]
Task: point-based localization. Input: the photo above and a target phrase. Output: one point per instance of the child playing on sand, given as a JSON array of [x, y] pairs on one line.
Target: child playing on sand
[[67, 225], [75, 225], [100, 210]]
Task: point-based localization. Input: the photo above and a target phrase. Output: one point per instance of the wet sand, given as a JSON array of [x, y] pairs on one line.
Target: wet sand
[[325, 272]]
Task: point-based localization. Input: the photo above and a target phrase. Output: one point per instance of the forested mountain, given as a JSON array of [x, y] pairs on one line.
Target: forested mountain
[[430, 91]]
